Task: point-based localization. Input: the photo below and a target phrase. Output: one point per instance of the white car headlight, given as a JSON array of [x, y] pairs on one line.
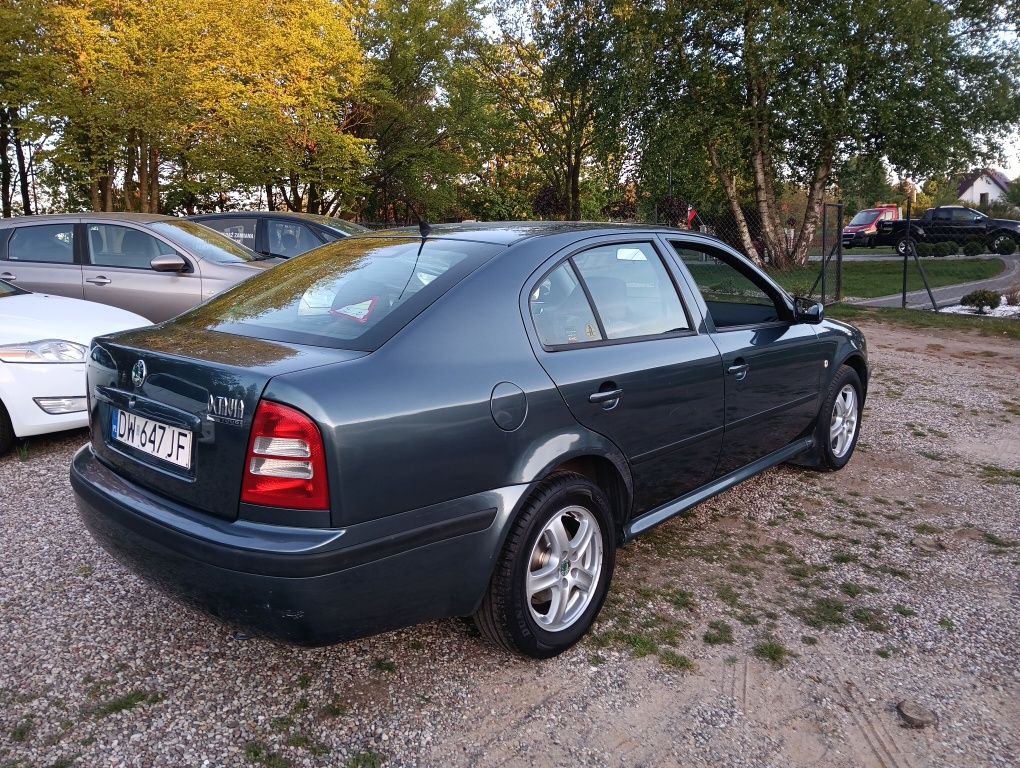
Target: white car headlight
[[45, 351]]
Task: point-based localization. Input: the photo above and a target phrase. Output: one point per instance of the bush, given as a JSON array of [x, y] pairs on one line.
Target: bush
[[1013, 296], [973, 248], [924, 249], [1007, 245], [944, 249], [952, 248], [981, 299]]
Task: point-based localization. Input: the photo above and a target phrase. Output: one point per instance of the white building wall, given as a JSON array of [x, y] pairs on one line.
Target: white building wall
[[981, 185]]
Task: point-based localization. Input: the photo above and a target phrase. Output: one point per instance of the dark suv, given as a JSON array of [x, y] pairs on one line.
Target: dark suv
[[278, 233]]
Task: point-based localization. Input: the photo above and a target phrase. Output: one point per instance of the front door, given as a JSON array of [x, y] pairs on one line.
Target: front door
[[772, 366], [618, 343], [118, 273]]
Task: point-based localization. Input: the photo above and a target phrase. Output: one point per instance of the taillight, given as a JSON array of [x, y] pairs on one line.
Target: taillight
[[286, 464]]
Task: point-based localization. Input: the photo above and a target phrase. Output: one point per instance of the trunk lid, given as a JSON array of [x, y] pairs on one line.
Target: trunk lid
[[204, 383]]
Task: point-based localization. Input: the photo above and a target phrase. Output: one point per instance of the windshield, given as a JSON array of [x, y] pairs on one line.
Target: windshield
[[6, 289], [354, 294], [864, 217], [204, 242]]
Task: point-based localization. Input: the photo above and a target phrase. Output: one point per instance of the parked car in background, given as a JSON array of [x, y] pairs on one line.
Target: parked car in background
[[862, 231], [279, 233], [950, 222], [156, 266], [396, 428], [43, 344]]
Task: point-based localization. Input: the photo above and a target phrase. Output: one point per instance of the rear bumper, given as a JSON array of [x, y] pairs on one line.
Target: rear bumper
[[300, 585]]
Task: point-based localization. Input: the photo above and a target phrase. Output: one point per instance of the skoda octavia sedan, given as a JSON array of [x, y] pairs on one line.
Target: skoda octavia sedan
[[467, 421], [43, 343], [155, 266]]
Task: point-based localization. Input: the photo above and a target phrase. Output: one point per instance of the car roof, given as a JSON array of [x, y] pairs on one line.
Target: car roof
[[53, 218], [511, 232]]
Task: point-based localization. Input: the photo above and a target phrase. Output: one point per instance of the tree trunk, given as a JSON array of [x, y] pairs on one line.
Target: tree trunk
[[143, 174], [733, 198], [270, 202], [94, 194], [574, 187], [129, 171], [295, 193], [313, 198], [153, 179], [108, 189], [814, 204], [19, 151], [5, 163]]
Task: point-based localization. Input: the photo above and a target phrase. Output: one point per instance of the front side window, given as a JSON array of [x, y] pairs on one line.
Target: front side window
[[111, 245], [48, 243], [733, 297], [289, 238], [561, 310]]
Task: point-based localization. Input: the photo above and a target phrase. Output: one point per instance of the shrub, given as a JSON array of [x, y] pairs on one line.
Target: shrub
[[1007, 245], [973, 248], [1013, 296], [951, 247], [924, 249], [981, 299], [944, 249]]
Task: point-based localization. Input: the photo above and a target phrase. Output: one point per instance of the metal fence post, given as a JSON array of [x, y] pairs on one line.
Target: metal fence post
[[839, 251], [906, 257], [825, 227]]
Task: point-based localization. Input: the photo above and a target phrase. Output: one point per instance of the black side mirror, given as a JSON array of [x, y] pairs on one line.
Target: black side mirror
[[808, 311], [168, 262]]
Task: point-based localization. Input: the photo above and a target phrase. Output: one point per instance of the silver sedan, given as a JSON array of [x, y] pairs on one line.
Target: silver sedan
[[155, 266]]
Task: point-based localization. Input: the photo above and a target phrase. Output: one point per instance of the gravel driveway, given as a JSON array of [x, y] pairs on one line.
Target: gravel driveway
[[780, 624]]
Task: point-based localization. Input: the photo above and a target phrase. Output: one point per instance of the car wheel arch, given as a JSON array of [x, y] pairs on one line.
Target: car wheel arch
[[856, 361]]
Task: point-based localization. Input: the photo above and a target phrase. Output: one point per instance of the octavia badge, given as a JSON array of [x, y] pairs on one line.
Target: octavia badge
[[138, 373]]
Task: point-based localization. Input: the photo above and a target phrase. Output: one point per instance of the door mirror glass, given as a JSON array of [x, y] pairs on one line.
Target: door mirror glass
[[168, 262], [809, 311]]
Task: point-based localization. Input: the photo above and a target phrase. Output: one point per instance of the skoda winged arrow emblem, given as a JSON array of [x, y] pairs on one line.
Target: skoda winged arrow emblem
[[138, 373]]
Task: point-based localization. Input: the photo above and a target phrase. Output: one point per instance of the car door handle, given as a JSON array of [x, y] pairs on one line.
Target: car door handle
[[605, 397], [738, 370], [8, 276], [98, 280]]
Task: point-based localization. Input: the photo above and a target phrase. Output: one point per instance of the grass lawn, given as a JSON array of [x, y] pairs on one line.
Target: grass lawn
[[867, 279], [916, 318]]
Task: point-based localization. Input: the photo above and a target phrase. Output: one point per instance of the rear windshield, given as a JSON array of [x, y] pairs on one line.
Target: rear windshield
[[354, 293], [204, 242]]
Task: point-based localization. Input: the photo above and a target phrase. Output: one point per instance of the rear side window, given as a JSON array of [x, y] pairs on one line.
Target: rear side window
[[354, 294], [289, 238], [48, 243], [632, 291]]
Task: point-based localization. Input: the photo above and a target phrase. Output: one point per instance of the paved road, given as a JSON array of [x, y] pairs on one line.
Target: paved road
[[951, 294]]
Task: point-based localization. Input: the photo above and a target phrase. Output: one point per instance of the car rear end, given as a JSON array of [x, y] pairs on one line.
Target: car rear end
[[224, 496]]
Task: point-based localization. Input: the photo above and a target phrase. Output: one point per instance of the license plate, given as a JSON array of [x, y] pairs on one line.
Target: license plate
[[168, 443]]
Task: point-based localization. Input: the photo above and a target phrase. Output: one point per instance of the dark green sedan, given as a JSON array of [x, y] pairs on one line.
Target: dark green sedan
[[467, 421]]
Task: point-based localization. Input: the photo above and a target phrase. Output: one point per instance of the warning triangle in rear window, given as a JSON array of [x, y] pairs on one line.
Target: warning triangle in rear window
[[359, 311]]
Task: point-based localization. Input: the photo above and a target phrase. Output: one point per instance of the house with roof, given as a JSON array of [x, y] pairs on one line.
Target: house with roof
[[983, 186]]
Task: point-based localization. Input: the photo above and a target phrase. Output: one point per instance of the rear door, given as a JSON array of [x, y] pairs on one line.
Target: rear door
[[44, 258], [772, 365], [289, 238], [615, 337], [118, 273]]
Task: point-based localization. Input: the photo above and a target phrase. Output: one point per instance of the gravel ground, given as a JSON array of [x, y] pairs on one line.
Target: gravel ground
[[780, 624]]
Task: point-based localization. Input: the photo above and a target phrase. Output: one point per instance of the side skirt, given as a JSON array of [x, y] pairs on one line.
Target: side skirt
[[685, 503]]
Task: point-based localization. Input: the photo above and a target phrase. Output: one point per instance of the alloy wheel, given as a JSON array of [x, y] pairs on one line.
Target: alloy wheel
[[843, 424]]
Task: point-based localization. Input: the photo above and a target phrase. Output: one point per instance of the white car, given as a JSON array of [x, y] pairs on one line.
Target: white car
[[43, 343]]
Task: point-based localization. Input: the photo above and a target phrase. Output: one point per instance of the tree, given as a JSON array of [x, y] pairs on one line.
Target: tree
[[786, 92]]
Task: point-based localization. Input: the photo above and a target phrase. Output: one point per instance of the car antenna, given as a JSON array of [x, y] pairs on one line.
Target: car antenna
[[424, 229]]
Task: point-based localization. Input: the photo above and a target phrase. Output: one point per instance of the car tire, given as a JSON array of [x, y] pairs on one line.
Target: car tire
[[996, 241], [903, 243], [839, 420], [6, 431], [546, 542]]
